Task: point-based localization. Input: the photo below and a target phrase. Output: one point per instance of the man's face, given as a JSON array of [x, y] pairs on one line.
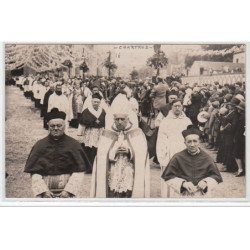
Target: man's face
[[171, 98], [192, 143], [95, 90], [96, 103], [56, 127], [58, 88], [121, 121], [46, 84], [177, 108], [122, 85]]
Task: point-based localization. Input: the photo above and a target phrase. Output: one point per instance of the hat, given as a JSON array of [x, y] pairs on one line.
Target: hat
[[55, 114], [188, 90], [120, 105], [240, 97], [173, 92], [95, 86], [191, 130], [96, 96], [216, 104], [197, 89], [241, 106], [203, 116], [234, 101], [223, 111], [228, 97]]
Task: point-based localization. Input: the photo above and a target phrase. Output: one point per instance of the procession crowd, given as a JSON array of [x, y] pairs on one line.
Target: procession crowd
[[121, 124]]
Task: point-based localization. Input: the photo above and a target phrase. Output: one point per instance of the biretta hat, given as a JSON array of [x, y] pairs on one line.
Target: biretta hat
[[55, 114], [191, 130]]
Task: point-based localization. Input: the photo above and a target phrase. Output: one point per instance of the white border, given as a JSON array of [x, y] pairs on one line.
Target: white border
[[156, 202]]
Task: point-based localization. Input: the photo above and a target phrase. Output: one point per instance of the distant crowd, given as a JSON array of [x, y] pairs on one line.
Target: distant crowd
[[164, 108]]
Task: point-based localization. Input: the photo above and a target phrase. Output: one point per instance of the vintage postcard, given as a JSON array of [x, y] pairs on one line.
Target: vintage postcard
[[126, 122]]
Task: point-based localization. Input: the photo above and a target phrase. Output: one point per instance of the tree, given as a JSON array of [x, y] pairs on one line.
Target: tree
[[84, 67], [134, 74], [110, 66], [158, 60], [68, 64]]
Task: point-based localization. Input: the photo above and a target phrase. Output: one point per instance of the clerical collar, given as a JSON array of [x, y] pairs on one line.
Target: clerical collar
[[97, 112], [128, 127], [56, 139], [195, 153], [172, 115]]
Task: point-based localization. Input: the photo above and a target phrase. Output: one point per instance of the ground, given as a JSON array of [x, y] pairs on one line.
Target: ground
[[24, 127]]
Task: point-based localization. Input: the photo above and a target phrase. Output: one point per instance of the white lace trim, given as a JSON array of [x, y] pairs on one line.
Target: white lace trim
[[121, 175], [91, 136]]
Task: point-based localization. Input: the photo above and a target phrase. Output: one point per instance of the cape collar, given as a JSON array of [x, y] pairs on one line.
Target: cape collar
[[129, 126], [94, 112], [52, 139], [196, 153], [173, 116]]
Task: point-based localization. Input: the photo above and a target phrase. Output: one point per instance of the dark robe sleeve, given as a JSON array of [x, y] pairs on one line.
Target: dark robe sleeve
[[214, 173], [172, 170], [81, 160], [34, 155]]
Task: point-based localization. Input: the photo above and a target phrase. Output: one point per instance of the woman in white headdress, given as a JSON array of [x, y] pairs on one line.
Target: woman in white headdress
[[121, 167]]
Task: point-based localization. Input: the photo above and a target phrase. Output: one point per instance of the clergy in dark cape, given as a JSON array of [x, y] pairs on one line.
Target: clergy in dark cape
[[57, 163], [191, 172], [92, 121]]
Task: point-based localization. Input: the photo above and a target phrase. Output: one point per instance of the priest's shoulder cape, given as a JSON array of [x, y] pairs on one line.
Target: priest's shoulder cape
[[90, 120], [192, 168], [55, 157]]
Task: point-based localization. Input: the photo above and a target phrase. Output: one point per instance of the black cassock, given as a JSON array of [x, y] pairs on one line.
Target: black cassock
[[56, 157], [192, 168]]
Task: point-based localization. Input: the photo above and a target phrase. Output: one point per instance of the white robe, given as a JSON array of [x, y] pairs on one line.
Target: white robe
[[42, 93], [174, 188], [36, 90], [141, 186], [58, 101], [74, 183], [170, 141]]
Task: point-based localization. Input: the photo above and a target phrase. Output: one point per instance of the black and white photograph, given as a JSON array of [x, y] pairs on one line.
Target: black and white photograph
[[125, 121]]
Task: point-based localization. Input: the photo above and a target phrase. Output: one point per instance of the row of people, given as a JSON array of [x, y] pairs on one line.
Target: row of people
[[182, 111], [121, 167]]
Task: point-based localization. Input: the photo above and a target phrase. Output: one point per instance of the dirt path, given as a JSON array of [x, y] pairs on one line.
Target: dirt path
[[24, 127]]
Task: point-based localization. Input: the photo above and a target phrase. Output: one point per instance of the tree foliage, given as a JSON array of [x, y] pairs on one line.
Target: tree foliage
[[67, 63], [157, 61], [110, 66], [84, 67], [134, 74]]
